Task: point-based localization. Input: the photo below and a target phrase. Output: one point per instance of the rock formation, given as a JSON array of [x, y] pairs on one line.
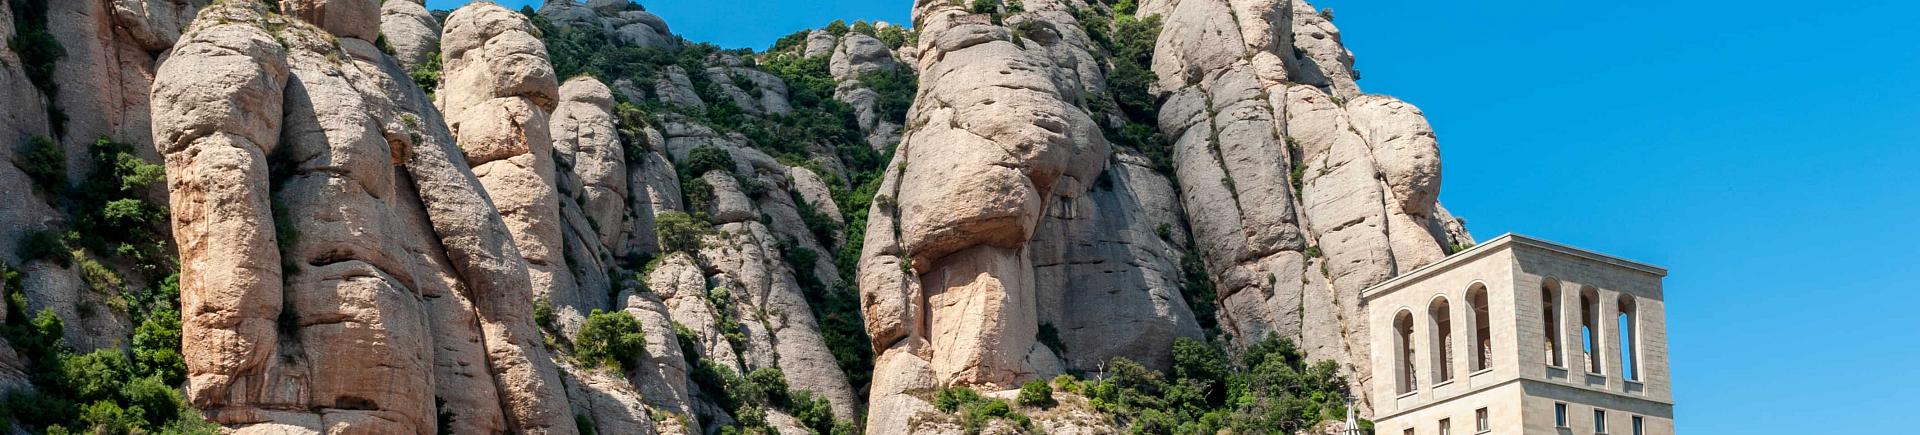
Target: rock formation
[[990, 222], [630, 22], [407, 268], [1302, 191], [412, 32], [352, 260]]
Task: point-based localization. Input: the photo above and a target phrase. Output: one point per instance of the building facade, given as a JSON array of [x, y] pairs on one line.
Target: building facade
[[1521, 336]]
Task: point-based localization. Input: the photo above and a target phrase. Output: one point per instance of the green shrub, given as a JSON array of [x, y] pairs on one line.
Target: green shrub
[[156, 345], [45, 245], [793, 41], [950, 399], [679, 232], [584, 424], [38, 50], [443, 417], [894, 36], [1197, 287], [704, 159], [45, 162], [985, 6], [104, 416], [543, 313], [1036, 393], [765, 385], [977, 411], [426, 75], [1050, 336], [611, 338], [896, 88], [1270, 389]]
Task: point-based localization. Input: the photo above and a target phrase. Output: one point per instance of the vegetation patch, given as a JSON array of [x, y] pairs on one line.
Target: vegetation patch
[[610, 338], [976, 412], [108, 390], [427, 74], [39, 52], [679, 232], [1036, 393], [1128, 41], [1269, 388]]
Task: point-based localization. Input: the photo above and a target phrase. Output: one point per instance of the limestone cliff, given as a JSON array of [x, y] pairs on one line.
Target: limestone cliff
[[364, 216], [1303, 191]]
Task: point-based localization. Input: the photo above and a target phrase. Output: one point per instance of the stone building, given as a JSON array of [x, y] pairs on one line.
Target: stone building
[[1532, 337]]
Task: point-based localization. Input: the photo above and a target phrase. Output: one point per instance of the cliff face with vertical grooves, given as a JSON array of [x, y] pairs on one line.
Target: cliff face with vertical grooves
[[368, 217], [1302, 190]]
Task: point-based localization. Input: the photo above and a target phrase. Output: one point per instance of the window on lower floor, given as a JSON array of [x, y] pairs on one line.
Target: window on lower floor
[[1446, 426], [1639, 425], [1559, 415], [1599, 421], [1480, 424]]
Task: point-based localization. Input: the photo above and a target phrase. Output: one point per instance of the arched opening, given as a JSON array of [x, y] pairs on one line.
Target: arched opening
[[1482, 327], [1629, 323], [1550, 308], [1403, 352], [1590, 328], [1441, 332]]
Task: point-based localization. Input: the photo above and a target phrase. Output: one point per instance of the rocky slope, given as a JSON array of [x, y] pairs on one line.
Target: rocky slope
[[363, 216]]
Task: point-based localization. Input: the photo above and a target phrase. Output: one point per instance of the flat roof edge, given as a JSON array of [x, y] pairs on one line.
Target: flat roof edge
[[1501, 242]]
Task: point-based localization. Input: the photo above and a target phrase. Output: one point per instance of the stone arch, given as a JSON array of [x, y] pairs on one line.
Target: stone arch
[[1404, 375], [1440, 336], [1552, 332], [1590, 329], [1481, 326], [1628, 321]]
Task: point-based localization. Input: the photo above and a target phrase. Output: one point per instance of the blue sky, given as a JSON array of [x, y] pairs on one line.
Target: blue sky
[[1763, 150]]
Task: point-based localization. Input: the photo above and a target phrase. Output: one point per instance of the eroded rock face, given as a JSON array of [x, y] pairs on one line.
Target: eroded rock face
[[632, 26], [855, 57], [587, 143], [411, 30], [950, 275], [387, 279], [1301, 191], [498, 92]]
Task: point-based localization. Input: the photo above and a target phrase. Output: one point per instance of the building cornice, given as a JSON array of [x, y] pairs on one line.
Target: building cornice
[[1504, 241]]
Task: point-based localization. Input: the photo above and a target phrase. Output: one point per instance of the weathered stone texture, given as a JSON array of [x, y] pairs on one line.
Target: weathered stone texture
[[1300, 190]]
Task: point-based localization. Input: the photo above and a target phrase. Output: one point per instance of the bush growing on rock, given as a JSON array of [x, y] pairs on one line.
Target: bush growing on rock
[[976, 411], [610, 338], [45, 245], [1036, 393], [704, 159], [44, 162], [679, 232], [427, 74], [1271, 388]]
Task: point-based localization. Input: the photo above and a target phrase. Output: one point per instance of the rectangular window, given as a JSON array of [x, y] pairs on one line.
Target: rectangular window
[[1446, 426], [1480, 424], [1559, 415], [1599, 421], [1639, 426], [1409, 431]]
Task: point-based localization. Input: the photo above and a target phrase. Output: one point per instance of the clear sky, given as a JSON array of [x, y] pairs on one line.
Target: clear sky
[[1765, 151]]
